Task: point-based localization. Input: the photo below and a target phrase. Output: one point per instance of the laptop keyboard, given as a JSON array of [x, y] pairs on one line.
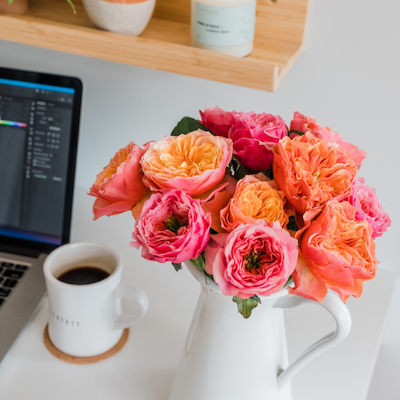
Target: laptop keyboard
[[10, 274]]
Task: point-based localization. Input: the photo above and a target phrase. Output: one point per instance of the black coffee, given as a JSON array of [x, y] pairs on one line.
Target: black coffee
[[83, 275]]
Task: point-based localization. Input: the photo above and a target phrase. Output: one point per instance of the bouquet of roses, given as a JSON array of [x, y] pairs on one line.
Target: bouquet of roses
[[254, 204]]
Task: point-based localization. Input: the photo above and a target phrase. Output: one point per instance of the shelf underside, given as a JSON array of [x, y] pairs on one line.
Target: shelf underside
[[164, 45]]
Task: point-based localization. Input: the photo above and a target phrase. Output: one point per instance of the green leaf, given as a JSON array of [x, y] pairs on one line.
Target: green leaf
[[237, 170], [177, 266], [300, 133], [200, 264], [245, 306], [289, 281], [186, 125], [291, 225], [256, 298]]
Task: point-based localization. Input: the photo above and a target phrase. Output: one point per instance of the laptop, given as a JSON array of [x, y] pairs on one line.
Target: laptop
[[39, 124]]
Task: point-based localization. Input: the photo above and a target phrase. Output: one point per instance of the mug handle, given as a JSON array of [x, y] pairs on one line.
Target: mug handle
[[130, 292], [340, 313]]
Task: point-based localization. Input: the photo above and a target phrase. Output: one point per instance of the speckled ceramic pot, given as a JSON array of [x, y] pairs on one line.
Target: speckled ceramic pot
[[122, 16]]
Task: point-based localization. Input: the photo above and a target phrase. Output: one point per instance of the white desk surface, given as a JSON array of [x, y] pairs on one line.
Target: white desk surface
[[144, 369], [385, 381]]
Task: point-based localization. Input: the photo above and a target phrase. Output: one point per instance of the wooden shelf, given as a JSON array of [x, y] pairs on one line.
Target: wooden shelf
[[164, 45]]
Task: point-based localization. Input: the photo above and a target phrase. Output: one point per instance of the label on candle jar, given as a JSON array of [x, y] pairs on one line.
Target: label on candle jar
[[224, 26]]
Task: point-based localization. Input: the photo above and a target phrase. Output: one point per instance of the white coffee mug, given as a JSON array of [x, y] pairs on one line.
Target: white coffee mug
[[86, 320]]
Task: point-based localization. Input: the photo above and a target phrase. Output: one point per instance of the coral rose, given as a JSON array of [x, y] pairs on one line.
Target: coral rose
[[369, 208], [312, 171], [338, 253], [171, 227], [194, 162], [254, 199], [308, 124], [119, 186], [253, 135], [254, 259]]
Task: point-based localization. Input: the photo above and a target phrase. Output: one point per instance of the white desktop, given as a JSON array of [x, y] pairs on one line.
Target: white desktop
[[144, 368]]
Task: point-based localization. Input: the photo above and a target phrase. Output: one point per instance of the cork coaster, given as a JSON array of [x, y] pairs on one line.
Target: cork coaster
[[83, 360]]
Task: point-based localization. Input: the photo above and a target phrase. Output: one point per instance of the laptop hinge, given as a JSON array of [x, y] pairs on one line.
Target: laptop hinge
[[20, 251]]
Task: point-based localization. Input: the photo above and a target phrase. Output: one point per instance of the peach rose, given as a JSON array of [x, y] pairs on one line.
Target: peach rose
[[312, 171], [194, 162], [254, 199], [308, 124], [119, 186], [338, 253]]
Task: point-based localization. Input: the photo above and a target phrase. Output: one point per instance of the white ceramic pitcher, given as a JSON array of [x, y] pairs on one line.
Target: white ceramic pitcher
[[229, 357]]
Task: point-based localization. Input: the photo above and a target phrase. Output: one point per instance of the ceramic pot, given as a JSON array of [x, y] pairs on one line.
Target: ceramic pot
[[122, 16], [17, 7], [228, 357]]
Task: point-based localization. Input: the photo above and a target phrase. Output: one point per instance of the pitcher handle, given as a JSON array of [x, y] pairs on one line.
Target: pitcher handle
[[337, 309]]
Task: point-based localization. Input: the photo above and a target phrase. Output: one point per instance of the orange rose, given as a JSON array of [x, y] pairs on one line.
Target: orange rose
[[308, 124], [254, 199], [337, 253], [312, 171]]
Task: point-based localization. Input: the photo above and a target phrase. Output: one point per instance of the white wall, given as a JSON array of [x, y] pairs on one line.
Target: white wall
[[348, 78]]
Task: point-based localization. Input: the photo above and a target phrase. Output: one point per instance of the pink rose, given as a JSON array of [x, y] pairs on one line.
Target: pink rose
[[217, 120], [308, 124], [253, 135], [119, 186], [338, 253], [254, 259], [369, 208], [195, 162], [171, 227]]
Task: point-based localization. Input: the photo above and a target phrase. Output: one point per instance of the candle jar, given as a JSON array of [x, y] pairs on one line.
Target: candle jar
[[226, 26]]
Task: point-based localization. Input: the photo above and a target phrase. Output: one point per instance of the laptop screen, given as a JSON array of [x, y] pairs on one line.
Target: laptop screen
[[38, 137]]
